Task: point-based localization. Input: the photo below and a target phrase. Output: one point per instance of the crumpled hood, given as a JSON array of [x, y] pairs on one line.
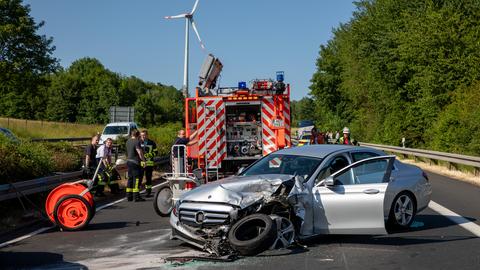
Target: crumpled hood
[[240, 191]]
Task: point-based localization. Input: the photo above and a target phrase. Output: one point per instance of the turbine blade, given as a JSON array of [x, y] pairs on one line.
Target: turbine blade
[[196, 32], [194, 7], [176, 16]]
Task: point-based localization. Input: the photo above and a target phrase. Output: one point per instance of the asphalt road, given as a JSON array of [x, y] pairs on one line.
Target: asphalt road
[[130, 235]]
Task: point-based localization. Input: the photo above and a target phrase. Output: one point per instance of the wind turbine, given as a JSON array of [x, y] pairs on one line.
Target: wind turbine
[[188, 20]]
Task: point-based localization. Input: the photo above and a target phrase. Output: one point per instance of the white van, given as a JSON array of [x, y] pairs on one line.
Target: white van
[[116, 130]]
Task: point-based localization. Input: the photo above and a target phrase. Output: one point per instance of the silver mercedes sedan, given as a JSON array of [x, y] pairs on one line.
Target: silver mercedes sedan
[[300, 192]]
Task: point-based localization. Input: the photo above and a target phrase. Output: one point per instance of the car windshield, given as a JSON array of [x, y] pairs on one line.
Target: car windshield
[[306, 137], [305, 123], [113, 130], [284, 164]]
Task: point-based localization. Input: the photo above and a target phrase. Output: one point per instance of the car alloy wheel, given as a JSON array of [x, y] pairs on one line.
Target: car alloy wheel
[[404, 210], [285, 232]]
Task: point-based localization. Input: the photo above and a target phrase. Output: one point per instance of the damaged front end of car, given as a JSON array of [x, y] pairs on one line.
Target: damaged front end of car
[[241, 215]]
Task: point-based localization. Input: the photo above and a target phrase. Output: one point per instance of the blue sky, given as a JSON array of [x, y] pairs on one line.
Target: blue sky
[[252, 38]]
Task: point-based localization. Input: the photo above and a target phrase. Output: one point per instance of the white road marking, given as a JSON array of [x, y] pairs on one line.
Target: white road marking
[[458, 219], [109, 204], [41, 230], [4, 244]]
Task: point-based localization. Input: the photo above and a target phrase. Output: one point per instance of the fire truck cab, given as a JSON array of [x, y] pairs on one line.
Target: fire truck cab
[[236, 125]]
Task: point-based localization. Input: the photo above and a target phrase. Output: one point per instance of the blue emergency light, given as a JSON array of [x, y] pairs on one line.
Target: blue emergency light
[[242, 85], [280, 76]]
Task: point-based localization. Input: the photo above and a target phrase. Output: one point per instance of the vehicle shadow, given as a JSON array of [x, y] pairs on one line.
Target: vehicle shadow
[[429, 222], [35, 260], [382, 240], [399, 237]]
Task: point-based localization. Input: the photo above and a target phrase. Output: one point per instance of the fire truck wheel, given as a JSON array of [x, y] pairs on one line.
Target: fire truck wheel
[[163, 201], [72, 213], [252, 234]]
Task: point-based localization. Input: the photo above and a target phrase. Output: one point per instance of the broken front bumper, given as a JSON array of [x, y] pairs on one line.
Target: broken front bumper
[[180, 232]]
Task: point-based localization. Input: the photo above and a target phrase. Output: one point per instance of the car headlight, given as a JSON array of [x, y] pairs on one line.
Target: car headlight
[[175, 208]]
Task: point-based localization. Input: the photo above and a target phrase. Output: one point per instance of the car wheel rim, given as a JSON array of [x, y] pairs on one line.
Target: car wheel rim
[[164, 201], [403, 210], [285, 232]]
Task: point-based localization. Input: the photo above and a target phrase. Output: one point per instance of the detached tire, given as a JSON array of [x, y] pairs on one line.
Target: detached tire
[[163, 202], [72, 213], [253, 234]]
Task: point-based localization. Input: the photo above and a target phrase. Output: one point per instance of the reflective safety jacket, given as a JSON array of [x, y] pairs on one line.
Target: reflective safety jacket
[[149, 151], [349, 141]]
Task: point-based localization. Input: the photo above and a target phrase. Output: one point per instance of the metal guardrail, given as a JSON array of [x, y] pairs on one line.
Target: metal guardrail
[[77, 139], [433, 155], [14, 190]]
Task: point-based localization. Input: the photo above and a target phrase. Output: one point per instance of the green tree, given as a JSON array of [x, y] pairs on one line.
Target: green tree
[[25, 57], [83, 93], [161, 104], [302, 109], [392, 70]]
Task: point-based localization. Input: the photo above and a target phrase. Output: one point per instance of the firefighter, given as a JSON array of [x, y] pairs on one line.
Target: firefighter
[[90, 162], [178, 152], [135, 163], [107, 174], [149, 151], [346, 139]]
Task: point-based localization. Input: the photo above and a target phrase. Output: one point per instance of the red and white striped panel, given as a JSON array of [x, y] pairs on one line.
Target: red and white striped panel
[[268, 135], [275, 163], [211, 131], [286, 116]]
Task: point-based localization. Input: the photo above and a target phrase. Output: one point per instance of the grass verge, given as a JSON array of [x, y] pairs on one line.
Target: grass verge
[[43, 129]]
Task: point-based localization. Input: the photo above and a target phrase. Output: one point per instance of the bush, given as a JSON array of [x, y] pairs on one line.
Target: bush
[[164, 136], [27, 160], [457, 128], [65, 157], [23, 161]]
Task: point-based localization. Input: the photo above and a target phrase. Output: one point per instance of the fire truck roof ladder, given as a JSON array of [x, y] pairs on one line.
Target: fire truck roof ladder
[[211, 142]]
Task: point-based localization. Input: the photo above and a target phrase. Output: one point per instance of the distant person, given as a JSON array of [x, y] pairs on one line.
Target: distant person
[[135, 162], [178, 152], [346, 139], [314, 135], [321, 138], [337, 136], [149, 151], [89, 161]]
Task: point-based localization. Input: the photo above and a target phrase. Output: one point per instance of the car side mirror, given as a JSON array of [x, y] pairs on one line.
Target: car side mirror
[[329, 181], [240, 170]]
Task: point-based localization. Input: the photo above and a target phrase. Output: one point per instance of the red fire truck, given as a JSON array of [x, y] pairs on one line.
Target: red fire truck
[[236, 125]]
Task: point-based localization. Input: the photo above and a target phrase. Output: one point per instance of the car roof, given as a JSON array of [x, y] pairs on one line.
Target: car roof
[[121, 124], [320, 150]]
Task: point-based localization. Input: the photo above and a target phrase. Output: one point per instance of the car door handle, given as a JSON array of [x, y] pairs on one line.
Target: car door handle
[[371, 191]]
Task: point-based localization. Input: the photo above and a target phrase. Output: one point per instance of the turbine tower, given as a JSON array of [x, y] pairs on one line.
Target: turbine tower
[[188, 21]]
